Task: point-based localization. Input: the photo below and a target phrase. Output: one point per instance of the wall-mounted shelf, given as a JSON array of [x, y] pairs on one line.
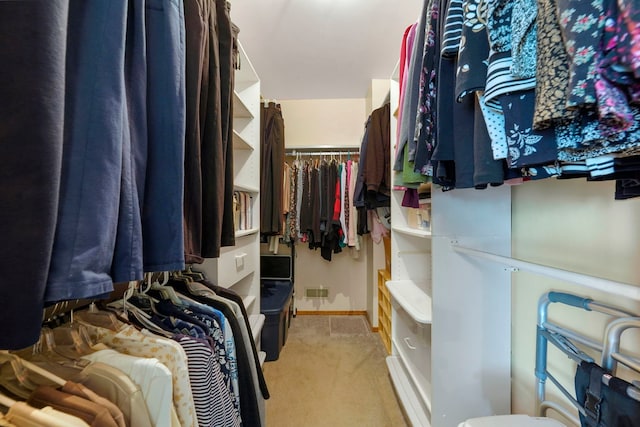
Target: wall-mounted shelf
[[248, 301], [242, 233], [240, 108], [409, 231], [239, 143], [257, 322], [246, 188], [412, 299]]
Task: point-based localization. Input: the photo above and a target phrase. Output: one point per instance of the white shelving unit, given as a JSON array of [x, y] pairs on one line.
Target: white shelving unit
[[450, 329]]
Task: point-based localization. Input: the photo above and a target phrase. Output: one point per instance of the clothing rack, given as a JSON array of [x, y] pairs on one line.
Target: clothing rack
[[60, 309], [625, 290], [335, 151]]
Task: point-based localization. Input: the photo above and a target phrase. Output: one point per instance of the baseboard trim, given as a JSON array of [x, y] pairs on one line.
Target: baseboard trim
[[332, 313]]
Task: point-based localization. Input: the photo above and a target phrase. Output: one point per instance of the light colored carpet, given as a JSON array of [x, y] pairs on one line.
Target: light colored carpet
[[331, 372]]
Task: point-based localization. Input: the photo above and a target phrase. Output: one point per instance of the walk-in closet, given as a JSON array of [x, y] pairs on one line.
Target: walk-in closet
[[319, 213]]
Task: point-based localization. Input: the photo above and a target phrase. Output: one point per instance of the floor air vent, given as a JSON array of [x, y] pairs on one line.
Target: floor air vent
[[316, 293]]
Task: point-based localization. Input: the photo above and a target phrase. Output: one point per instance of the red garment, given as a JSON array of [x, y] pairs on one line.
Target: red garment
[[337, 208], [403, 54], [405, 57]]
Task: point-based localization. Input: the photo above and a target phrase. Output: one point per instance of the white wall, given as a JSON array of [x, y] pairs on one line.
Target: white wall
[[573, 225], [323, 122], [327, 123]]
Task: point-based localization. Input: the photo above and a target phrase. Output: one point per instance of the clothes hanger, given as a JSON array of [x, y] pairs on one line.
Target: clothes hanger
[[144, 319], [72, 339], [18, 363], [141, 317], [121, 304], [46, 343], [182, 279], [166, 292], [6, 401], [43, 354], [103, 318], [191, 274]]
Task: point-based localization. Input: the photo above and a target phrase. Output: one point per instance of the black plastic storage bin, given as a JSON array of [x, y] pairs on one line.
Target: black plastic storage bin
[[275, 302]]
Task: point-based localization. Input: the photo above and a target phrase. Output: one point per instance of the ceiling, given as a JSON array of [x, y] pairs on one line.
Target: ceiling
[[320, 49]]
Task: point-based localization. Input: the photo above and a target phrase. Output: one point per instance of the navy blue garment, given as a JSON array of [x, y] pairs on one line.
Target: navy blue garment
[[443, 151], [162, 226], [150, 230], [627, 189], [92, 153], [180, 326], [167, 308], [206, 311], [463, 140], [527, 147], [486, 170], [32, 90], [127, 257], [420, 148]]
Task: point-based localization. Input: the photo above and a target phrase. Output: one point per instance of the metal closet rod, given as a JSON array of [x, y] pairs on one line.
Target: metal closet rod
[[296, 152], [605, 285], [323, 153]]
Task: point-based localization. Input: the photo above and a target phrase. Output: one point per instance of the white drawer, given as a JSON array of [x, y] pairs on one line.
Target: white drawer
[[413, 343], [235, 264]]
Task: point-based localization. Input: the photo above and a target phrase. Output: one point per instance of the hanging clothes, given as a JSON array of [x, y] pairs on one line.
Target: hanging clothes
[[193, 363], [208, 162], [375, 168], [162, 195], [156, 140], [248, 377], [227, 43], [322, 196], [87, 220], [31, 178], [167, 352], [499, 113], [271, 172]]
